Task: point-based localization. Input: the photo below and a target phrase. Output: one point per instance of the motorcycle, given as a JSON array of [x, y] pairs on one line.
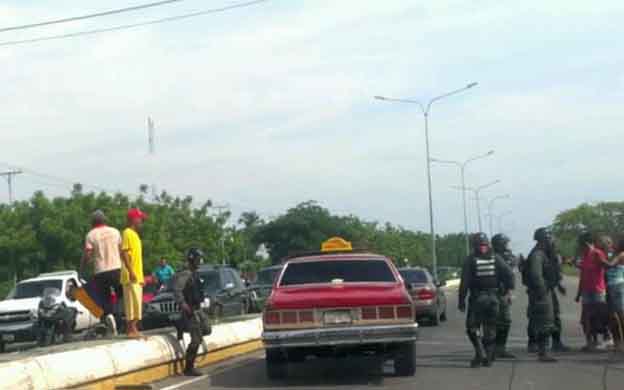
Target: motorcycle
[[55, 321]]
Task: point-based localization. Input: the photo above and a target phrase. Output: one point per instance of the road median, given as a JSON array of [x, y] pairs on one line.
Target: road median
[[127, 361]]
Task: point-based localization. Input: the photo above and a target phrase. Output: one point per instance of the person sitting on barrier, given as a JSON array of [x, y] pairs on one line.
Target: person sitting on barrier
[[190, 297]]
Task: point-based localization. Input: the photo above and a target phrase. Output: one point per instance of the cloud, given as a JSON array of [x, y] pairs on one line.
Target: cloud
[[272, 105]]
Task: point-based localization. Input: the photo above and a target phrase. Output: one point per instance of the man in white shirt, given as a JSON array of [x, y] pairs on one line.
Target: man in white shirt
[[102, 248]]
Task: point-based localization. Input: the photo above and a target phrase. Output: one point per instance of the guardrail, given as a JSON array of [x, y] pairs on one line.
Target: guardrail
[[127, 361]]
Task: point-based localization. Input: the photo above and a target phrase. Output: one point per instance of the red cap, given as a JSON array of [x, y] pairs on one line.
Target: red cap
[[136, 213]]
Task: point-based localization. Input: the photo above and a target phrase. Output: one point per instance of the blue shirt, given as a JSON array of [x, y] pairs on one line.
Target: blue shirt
[[615, 275], [163, 274]]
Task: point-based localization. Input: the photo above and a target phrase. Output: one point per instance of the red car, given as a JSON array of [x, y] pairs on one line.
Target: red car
[[339, 302]]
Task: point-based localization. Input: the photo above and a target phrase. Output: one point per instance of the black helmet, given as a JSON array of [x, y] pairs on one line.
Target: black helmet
[[499, 242], [195, 255], [542, 234], [479, 239]]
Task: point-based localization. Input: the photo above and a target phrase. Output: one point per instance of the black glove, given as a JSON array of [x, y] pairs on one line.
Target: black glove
[[461, 306], [562, 290]]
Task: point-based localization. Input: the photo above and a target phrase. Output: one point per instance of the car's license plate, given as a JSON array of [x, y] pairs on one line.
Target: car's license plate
[[337, 317], [8, 338]]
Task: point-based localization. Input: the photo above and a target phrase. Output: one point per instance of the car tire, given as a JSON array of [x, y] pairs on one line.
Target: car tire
[[405, 359], [276, 364], [2, 347]]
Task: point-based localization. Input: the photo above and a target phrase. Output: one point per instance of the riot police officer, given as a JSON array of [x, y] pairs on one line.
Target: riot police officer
[[540, 276], [500, 245], [555, 283], [190, 297], [482, 275]]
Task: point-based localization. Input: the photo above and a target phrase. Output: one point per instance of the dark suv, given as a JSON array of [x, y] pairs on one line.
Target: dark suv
[[222, 286], [261, 288]]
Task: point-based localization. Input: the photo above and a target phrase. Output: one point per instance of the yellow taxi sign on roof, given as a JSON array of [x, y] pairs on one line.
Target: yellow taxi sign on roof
[[336, 244]]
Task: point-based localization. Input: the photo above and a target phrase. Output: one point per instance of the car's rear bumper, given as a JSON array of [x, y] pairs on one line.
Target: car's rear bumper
[[357, 335], [425, 308]]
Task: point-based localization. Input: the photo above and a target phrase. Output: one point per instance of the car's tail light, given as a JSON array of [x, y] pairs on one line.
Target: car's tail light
[[289, 317], [306, 316], [404, 312], [386, 312], [369, 313], [272, 317], [426, 294]]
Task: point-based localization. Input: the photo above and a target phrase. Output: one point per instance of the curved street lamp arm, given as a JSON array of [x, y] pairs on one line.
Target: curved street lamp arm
[[471, 159], [487, 185], [451, 162], [410, 101], [435, 99]]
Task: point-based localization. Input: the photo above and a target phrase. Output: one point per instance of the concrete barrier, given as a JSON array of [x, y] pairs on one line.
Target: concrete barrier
[[90, 365]]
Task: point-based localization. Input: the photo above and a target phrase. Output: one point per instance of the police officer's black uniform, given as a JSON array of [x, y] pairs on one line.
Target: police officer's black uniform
[[540, 275], [189, 296], [500, 245], [482, 276]]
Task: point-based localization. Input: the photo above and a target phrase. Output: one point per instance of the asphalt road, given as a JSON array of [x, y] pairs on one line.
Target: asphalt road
[[443, 357]]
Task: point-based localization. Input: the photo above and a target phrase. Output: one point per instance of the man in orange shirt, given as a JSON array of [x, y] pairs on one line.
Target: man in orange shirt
[[132, 271]]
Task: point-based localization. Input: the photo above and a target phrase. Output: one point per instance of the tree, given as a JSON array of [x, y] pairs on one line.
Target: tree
[[604, 217]]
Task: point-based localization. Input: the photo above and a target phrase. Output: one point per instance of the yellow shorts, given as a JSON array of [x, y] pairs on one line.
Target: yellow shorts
[[133, 301]]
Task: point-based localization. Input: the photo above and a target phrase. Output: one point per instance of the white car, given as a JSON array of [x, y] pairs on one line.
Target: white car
[[18, 312]]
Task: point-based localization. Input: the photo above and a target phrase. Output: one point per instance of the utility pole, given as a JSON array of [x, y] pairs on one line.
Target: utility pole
[[9, 176], [219, 209], [151, 137]]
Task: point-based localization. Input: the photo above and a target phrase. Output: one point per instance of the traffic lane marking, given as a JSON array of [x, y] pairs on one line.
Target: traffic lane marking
[[184, 383]]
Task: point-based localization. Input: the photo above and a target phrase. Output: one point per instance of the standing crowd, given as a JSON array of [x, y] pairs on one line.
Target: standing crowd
[[117, 260], [601, 290], [488, 280]]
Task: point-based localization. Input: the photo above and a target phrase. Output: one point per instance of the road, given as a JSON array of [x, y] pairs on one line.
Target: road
[[443, 357]]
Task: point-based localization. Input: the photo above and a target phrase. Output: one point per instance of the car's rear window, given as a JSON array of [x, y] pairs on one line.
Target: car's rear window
[[268, 275], [345, 271], [414, 276]]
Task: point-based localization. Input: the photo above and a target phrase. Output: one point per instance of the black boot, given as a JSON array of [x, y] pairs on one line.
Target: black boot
[[490, 354], [532, 346], [557, 345], [189, 365], [501, 345], [479, 357], [543, 355]]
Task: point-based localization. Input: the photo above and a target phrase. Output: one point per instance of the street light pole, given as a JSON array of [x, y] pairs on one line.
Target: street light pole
[[425, 112], [477, 192], [490, 205], [462, 167]]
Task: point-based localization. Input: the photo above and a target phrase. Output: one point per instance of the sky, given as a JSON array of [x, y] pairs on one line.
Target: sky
[[270, 105]]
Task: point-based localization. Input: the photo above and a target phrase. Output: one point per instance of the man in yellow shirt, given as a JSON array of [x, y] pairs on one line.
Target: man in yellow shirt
[[132, 271]]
